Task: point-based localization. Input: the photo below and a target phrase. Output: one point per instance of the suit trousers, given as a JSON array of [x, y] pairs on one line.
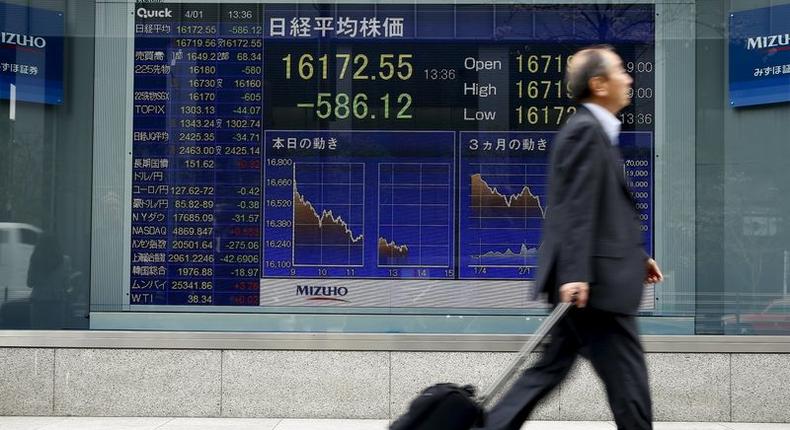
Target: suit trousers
[[611, 342]]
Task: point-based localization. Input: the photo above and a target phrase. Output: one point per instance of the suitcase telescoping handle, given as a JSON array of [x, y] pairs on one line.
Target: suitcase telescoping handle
[[530, 346]]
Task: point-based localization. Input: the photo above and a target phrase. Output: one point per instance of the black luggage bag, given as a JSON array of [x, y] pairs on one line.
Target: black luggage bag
[[453, 407]]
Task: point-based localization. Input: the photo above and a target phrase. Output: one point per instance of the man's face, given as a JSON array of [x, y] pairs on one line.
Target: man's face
[[618, 81]]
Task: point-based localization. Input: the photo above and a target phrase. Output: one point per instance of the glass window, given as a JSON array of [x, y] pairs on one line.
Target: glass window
[[398, 172], [46, 135], [277, 167], [743, 237]]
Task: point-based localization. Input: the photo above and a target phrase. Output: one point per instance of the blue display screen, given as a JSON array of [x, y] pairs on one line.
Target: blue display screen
[[372, 156]]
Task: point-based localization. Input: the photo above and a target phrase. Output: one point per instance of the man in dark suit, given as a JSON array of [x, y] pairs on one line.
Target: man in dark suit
[[592, 254]]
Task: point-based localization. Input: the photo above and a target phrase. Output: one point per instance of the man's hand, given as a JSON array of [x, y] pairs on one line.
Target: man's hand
[[580, 291], [652, 272]]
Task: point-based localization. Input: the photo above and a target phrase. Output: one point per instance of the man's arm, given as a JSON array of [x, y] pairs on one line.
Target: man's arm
[[581, 169]]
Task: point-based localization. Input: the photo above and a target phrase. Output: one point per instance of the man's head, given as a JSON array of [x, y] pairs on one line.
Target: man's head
[[596, 75]]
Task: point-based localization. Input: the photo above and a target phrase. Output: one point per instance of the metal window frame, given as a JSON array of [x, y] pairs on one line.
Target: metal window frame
[[358, 341]]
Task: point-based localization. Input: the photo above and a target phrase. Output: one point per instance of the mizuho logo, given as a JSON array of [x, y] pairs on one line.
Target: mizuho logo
[[145, 13], [322, 293], [763, 42], [23, 40]]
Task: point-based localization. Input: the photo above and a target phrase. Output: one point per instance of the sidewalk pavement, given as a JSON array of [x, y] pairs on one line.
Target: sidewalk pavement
[[129, 423]]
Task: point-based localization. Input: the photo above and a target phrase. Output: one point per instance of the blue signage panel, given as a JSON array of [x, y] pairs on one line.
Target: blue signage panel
[[31, 54], [760, 56]]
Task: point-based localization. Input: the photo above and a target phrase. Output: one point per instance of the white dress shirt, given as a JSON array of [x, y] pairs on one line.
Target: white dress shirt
[[609, 122]]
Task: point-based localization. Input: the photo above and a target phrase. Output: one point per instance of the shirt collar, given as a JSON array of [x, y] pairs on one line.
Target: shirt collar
[[610, 123]]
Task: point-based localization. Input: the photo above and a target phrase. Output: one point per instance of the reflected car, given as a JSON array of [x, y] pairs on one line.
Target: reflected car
[[774, 319], [17, 242]]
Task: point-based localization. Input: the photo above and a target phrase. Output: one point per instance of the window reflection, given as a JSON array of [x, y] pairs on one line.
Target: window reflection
[[45, 166]]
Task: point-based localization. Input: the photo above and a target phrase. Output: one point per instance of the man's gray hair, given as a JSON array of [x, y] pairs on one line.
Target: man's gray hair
[[586, 64]]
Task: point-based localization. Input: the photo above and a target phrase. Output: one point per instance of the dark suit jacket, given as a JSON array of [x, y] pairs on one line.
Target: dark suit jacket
[[591, 232]]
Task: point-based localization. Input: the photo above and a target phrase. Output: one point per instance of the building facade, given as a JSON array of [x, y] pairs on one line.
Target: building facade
[[297, 209]]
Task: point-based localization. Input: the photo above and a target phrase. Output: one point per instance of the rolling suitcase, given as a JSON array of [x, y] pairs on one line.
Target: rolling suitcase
[[453, 407]]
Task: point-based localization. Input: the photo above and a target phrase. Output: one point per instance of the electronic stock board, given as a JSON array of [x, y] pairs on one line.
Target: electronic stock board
[[354, 155]]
